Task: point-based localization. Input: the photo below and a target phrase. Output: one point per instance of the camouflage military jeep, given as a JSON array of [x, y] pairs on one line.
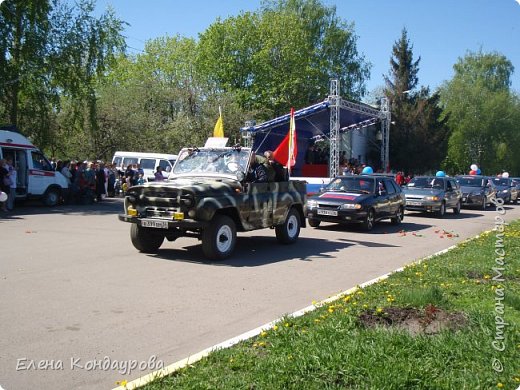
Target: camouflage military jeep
[[207, 197]]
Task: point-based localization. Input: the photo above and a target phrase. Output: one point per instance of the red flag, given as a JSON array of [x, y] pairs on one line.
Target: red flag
[[287, 151]]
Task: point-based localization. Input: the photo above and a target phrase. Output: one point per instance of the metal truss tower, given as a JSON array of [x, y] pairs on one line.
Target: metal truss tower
[[385, 131], [334, 101]]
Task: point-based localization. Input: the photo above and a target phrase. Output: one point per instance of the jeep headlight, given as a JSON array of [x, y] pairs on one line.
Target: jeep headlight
[[312, 204], [350, 206], [433, 198]]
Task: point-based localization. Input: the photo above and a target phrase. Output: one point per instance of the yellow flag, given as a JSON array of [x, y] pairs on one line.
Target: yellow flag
[[219, 126]]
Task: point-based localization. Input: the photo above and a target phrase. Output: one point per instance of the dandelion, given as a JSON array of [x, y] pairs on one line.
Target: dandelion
[[286, 325], [317, 320], [275, 327], [500, 385], [122, 383], [487, 277], [379, 310], [263, 334]]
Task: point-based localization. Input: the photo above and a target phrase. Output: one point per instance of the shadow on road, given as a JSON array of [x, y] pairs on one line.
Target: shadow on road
[[107, 206], [383, 227], [258, 251]]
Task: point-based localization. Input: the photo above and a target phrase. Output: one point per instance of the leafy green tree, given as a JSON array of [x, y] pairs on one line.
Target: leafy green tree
[[25, 92], [417, 135], [86, 49], [281, 56], [155, 101], [483, 115], [51, 55]]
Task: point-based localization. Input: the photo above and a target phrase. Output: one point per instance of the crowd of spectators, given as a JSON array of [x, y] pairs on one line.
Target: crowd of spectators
[[92, 181]]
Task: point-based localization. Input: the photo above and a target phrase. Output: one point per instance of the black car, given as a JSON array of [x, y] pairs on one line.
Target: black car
[[362, 199], [477, 191], [506, 189]]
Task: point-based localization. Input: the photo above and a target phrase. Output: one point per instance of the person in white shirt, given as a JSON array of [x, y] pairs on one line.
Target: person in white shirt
[[12, 186]]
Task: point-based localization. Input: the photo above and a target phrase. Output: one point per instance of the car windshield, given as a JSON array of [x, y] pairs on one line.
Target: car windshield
[[214, 161], [426, 182], [352, 183], [501, 181], [470, 181]]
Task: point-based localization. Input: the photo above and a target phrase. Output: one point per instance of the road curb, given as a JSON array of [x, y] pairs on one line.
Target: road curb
[[141, 381]]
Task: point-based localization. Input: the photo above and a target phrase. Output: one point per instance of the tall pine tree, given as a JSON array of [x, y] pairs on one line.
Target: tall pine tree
[[417, 136]]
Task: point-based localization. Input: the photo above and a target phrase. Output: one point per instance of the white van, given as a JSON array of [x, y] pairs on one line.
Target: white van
[[36, 177], [147, 161]]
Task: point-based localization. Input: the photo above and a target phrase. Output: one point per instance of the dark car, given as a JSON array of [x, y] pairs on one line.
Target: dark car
[[506, 189], [433, 194], [516, 182], [362, 199], [477, 191]]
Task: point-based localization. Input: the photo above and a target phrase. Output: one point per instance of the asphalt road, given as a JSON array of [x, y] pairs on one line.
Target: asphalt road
[[73, 290]]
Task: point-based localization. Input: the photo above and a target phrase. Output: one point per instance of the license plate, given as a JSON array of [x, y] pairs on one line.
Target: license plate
[[152, 223], [413, 203], [334, 213]]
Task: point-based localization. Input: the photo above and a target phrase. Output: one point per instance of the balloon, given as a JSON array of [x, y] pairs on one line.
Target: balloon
[[505, 174], [473, 167], [3, 196], [440, 174], [479, 171], [472, 172], [367, 170]]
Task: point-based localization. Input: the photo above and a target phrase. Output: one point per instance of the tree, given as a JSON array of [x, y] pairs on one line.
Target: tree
[[24, 88], [86, 48], [281, 56], [417, 135], [483, 114], [51, 52]]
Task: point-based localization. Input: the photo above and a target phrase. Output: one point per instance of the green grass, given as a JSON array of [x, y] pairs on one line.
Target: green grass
[[330, 349]]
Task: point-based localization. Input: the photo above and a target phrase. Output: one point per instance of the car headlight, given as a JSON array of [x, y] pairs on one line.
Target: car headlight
[[504, 191], [434, 198], [312, 204], [350, 206]]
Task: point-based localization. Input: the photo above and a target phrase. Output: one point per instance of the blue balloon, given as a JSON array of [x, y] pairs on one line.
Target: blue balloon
[[479, 171], [367, 170], [440, 174]]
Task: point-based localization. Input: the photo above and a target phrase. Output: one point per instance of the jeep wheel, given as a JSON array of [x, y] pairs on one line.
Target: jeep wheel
[[398, 218], [51, 197], [145, 240], [288, 232], [369, 221], [313, 222], [219, 238]]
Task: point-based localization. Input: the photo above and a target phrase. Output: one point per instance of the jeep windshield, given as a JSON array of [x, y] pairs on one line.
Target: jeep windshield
[[211, 161]]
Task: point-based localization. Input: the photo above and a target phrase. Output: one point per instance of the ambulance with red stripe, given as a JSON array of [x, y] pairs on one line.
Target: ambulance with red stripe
[[36, 178]]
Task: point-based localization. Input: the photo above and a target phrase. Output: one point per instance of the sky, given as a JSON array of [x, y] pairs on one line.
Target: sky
[[440, 31]]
